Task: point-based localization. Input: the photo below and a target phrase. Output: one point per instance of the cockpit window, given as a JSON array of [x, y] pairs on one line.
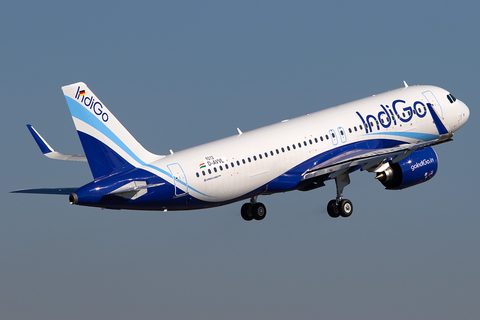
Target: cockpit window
[[451, 98]]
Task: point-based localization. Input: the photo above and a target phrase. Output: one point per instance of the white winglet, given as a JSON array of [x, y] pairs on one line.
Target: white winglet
[[48, 151]]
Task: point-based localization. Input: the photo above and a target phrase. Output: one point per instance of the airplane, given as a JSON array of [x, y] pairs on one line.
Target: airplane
[[389, 134]]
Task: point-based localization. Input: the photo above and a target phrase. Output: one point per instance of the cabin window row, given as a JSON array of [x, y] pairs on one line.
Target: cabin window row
[[266, 154], [294, 146]]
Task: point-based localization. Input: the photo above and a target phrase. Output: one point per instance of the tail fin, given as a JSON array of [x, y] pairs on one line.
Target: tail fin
[[108, 146]]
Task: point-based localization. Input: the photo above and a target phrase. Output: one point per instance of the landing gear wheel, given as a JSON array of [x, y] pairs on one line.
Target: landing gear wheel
[[345, 208], [332, 209], [258, 211], [246, 212]]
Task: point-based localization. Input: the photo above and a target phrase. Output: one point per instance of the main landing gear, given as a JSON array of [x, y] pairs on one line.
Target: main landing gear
[[339, 206], [253, 210]]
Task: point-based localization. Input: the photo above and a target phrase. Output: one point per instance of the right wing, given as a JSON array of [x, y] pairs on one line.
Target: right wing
[[49, 152]]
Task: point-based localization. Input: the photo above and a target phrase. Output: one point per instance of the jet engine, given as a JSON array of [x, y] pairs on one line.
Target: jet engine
[[418, 167]]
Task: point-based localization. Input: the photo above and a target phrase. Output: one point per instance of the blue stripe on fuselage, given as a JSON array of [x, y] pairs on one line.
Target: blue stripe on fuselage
[[412, 135]]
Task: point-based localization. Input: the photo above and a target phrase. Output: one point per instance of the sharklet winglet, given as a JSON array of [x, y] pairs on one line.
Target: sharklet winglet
[[49, 152]]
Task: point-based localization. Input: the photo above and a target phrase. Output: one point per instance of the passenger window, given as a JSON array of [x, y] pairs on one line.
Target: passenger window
[[243, 160], [260, 156], [254, 158], [341, 132], [326, 137], [197, 174], [333, 135], [226, 165], [271, 152], [215, 169], [221, 169], [316, 140], [350, 130], [238, 163], [355, 128], [283, 150], [266, 154], [209, 171], [293, 146], [299, 145], [276, 150], [203, 172], [288, 148], [321, 138], [305, 143], [360, 126]]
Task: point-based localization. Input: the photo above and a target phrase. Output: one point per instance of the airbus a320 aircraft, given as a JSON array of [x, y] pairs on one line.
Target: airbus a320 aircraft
[[390, 134]]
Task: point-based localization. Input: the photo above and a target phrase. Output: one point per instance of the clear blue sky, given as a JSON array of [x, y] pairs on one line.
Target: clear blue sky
[[181, 73]]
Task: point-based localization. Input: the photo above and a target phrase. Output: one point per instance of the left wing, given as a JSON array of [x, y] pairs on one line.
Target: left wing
[[372, 161], [377, 160]]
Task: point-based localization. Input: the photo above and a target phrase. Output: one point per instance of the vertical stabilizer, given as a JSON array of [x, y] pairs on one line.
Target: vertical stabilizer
[[108, 146]]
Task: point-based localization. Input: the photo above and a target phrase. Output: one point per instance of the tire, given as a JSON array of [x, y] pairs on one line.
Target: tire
[[246, 212], [332, 209], [259, 211], [345, 208]]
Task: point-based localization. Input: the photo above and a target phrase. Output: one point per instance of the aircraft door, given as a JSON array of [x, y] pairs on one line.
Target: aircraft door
[[333, 136], [179, 180], [343, 137], [433, 101]]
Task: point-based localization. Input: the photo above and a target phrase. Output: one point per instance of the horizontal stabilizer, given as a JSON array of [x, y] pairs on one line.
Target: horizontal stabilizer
[[134, 190], [47, 191], [135, 186], [48, 151]]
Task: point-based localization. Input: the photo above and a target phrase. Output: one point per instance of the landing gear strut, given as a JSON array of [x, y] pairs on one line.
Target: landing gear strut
[[253, 210], [339, 206]]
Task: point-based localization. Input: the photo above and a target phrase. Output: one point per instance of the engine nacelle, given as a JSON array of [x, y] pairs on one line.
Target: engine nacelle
[[418, 167]]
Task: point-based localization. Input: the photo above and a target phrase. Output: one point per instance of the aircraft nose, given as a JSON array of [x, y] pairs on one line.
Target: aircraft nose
[[464, 114]]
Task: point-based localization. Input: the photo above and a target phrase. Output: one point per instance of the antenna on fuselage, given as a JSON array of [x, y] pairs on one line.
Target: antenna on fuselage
[[405, 83]]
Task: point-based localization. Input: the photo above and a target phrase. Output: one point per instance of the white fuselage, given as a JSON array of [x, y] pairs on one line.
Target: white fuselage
[[210, 172]]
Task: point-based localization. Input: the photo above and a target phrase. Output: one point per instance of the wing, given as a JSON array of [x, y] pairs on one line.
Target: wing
[[377, 160], [49, 152], [372, 161]]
